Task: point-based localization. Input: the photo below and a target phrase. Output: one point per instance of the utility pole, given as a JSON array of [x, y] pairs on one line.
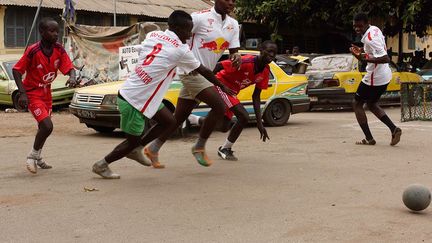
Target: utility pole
[[115, 12]]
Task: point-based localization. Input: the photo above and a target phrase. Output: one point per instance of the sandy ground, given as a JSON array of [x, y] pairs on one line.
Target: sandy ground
[[308, 184]]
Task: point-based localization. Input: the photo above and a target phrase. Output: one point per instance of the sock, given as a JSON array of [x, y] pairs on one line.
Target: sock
[[227, 144], [155, 145], [193, 119], [366, 131], [386, 120], [103, 161], [201, 142], [35, 153]]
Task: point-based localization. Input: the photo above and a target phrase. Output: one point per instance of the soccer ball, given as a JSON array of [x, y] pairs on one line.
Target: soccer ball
[[416, 197]]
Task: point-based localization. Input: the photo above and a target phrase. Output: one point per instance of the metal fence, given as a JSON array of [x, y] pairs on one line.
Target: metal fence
[[416, 101]]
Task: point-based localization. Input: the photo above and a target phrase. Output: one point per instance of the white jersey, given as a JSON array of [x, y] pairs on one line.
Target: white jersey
[[375, 46], [160, 53], [211, 36]]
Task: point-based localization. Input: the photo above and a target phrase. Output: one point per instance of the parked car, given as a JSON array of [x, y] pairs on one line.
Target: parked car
[[96, 106], [426, 71], [9, 95], [333, 81]]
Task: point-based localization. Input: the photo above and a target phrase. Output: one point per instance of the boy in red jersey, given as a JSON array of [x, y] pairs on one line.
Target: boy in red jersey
[[40, 63], [253, 70]]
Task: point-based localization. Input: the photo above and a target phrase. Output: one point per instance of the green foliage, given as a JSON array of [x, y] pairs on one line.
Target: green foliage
[[406, 15]]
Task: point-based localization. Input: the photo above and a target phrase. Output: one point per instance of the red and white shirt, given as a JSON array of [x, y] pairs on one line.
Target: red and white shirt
[[238, 79], [159, 55], [40, 69], [375, 46], [211, 36]]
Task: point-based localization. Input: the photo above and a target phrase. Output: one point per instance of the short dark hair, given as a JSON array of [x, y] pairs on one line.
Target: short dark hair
[[178, 18], [361, 17], [266, 43], [43, 23]]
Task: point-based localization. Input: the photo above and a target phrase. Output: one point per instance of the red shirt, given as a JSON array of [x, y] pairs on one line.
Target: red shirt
[[41, 70], [245, 76]]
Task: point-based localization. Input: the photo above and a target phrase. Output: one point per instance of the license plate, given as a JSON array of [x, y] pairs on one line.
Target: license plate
[[86, 114], [313, 99]]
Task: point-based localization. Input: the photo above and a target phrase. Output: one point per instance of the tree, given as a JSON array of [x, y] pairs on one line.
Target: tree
[[399, 15]]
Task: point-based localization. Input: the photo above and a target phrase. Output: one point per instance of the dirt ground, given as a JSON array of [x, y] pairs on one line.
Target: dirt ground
[[310, 183]]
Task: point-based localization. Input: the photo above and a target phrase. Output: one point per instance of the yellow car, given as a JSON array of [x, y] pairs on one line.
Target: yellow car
[[333, 81], [96, 105]]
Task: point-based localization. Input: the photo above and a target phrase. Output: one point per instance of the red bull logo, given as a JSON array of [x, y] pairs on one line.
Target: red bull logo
[[217, 46]]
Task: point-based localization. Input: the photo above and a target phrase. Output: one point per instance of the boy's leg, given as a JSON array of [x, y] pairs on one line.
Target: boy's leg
[[362, 121], [212, 99], [380, 114], [225, 151], [41, 110], [132, 123], [165, 124]]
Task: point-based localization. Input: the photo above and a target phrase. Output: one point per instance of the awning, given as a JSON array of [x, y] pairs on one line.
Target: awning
[[152, 8]]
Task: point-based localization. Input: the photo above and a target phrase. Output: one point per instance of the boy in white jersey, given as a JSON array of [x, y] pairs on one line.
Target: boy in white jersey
[[141, 96], [375, 82], [214, 32]]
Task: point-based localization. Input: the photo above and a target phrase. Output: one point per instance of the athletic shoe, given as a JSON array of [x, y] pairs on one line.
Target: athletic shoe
[[138, 155], [154, 158], [226, 153], [101, 168], [396, 135], [42, 164], [201, 156], [31, 165]]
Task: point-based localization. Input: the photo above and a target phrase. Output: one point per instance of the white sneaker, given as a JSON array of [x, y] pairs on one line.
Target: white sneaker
[[31, 165], [138, 155]]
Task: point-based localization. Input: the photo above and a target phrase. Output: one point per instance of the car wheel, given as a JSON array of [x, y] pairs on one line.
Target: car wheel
[[103, 129], [277, 113], [16, 104]]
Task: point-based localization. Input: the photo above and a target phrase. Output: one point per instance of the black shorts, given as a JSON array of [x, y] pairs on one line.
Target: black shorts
[[369, 94]]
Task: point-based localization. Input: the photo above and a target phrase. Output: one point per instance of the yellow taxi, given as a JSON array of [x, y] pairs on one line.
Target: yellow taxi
[[333, 81], [96, 105]]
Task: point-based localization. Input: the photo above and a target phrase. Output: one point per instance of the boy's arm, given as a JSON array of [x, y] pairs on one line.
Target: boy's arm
[[208, 74], [72, 82], [256, 98], [218, 68], [23, 100]]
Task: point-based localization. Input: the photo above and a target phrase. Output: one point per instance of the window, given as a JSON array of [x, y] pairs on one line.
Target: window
[[411, 42], [18, 22]]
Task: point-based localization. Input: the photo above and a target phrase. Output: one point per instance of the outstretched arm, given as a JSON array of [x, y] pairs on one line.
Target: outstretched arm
[[72, 82], [256, 98], [23, 100], [208, 74]]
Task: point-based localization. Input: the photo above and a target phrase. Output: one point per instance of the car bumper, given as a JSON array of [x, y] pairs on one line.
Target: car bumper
[[300, 105], [92, 116]]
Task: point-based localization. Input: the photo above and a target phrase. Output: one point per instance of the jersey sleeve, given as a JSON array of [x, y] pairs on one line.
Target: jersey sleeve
[[188, 62], [235, 41], [376, 42], [264, 76], [23, 62], [65, 62], [196, 22], [227, 66]]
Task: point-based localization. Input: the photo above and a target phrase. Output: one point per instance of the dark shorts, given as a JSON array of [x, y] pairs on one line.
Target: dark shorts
[[369, 94]]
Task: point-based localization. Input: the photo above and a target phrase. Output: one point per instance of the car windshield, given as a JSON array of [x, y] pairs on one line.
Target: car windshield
[[9, 65], [331, 63], [428, 65]]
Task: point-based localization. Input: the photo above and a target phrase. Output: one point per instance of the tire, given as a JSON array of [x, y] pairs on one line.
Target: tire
[[16, 105], [277, 113], [103, 129]]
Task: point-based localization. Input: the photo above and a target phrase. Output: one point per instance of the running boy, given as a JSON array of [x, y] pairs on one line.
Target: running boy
[[40, 63], [142, 94], [214, 31], [375, 82], [253, 70]]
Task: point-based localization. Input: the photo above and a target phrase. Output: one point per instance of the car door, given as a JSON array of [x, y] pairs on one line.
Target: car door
[[394, 84]]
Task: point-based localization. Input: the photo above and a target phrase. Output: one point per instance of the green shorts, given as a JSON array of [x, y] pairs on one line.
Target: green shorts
[[132, 121]]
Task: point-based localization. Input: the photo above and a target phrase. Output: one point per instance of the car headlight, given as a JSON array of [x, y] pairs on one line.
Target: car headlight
[[74, 98], [110, 100]]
